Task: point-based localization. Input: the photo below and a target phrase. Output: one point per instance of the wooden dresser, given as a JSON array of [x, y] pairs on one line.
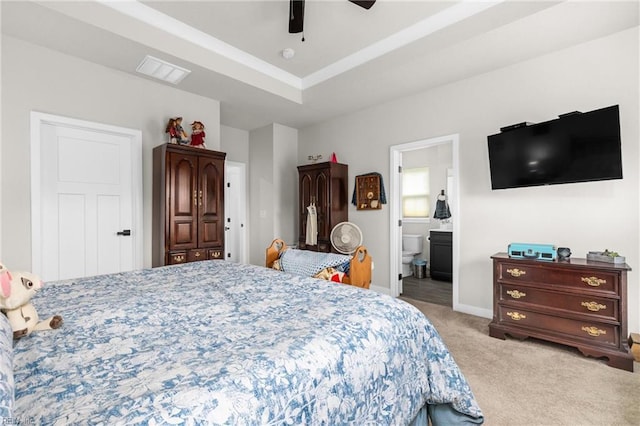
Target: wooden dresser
[[325, 185], [577, 303], [188, 204]]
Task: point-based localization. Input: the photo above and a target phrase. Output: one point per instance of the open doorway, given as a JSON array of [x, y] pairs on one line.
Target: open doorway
[[446, 179]]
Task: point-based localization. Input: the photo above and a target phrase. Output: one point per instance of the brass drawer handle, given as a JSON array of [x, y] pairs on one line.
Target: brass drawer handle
[[197, 254], [516, 316], [515, 272], [593, 306], [593, 281], [516, 294], [593, 331], [179, 258]]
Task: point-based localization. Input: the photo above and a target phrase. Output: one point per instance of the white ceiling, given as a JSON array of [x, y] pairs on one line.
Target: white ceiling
[[351, 58]]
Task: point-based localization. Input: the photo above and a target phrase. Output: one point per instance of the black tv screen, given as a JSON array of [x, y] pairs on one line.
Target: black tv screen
[[577, 147]]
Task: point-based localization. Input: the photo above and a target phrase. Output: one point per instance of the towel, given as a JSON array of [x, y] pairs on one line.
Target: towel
[[383, 195], [442, 210], [312, 225]]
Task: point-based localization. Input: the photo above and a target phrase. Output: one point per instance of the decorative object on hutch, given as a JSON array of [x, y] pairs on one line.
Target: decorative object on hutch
[[325, 186], [368, 192], [188, 204], [576, 302]]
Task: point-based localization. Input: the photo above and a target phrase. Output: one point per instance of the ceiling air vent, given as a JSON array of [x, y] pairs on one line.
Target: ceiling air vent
[[162, 70]]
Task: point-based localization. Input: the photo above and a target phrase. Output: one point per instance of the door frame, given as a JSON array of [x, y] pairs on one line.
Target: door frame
[[38, 119], [395, 204], [244, 249]]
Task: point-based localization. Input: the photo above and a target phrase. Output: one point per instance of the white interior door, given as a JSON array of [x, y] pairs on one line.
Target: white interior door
[[235, 197], [87, 203]]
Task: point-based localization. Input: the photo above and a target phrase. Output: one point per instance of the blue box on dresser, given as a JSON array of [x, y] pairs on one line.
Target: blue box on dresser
[[533, 251]]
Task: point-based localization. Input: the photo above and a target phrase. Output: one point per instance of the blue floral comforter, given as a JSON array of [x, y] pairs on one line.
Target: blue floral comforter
[[216, 342]]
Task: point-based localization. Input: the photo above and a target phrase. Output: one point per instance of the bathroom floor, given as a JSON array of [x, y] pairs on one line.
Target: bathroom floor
[[428, 290]]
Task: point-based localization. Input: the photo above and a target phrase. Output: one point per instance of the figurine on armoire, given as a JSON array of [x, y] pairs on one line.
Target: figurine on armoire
[[198, 135], [172, 131], [183, 139]]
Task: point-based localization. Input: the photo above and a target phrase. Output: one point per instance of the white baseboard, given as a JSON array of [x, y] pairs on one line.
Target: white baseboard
[[458, 307], [473, 310]]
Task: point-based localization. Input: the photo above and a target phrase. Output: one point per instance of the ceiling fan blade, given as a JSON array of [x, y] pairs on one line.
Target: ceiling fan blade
[[296, 16], [364, 3]]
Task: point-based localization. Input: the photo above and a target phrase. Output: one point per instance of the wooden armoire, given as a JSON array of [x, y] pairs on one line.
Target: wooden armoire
[[325, 185], [188, 204]]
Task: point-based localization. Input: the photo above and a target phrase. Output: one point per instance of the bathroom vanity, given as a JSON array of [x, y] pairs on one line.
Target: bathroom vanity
[[441, 254]]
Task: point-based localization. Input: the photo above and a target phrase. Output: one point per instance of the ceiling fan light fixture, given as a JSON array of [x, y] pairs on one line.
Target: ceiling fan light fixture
[[288, 53], [364, 3], [162, 70]]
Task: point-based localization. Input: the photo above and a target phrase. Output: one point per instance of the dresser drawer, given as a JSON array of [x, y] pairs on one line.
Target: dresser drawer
[[214, 254], [598, 281], [196, 255], [579, 330], [176, 257], [600, 308]]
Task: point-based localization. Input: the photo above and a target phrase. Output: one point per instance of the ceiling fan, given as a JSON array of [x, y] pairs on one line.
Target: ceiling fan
[[296, 13]]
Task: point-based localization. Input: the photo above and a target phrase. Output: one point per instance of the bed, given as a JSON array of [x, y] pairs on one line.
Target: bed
[[216, 342], [354, 269]]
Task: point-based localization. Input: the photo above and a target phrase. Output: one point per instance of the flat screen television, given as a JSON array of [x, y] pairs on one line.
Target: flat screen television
[[577, 147]]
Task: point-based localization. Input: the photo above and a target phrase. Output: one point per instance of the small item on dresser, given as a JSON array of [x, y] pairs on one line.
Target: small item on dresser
[[605, 256], [564, 253], [532, 251]]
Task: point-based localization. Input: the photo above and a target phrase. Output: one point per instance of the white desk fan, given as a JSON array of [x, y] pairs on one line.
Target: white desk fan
[[346, 237]]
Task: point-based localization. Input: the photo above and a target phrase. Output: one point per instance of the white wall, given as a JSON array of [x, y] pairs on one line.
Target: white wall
[[235, 142], [285, 144], [273, 187], [71, 87], [584, 216]]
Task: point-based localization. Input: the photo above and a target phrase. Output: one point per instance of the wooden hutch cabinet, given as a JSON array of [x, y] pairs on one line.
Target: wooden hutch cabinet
[[577, 303], [325, 185], [188, 204]]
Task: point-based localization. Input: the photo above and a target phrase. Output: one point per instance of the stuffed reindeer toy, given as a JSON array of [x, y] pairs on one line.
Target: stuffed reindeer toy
[[16, 290]]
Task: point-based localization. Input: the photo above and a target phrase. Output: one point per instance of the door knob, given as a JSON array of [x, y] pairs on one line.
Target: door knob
[[125, 232]]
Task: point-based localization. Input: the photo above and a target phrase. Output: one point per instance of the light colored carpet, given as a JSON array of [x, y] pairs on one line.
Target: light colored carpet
[[532, 382]]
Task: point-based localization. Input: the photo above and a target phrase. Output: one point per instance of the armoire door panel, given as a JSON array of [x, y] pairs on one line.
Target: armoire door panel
[[210, 233], [211, 215], [183, 235], [305, 183], [210, 192], [183, 210], [184, 186], [322, 197]]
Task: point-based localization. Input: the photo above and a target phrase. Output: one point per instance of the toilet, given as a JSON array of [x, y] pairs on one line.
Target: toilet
[[411, 246]]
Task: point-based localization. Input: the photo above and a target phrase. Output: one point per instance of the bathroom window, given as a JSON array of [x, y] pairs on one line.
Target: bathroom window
[[415, 193]]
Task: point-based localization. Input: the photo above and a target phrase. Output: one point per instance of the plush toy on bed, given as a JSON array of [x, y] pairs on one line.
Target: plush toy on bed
[[16, 290]]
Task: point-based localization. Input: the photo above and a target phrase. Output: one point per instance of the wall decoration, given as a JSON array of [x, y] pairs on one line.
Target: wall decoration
[[368, 193]]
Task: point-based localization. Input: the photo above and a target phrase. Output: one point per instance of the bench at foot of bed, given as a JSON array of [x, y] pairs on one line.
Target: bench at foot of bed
[[357, 267]]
